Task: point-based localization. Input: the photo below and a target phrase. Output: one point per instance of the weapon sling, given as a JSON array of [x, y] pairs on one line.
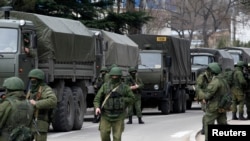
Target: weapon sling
[[38, 96], [108, 95]]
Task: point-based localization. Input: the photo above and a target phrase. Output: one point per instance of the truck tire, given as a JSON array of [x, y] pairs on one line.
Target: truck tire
[[65, 112], [79, 107], [177, 106], [165, 107]]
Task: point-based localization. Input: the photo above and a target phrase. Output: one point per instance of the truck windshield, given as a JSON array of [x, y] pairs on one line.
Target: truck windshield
[[150, 61], [202, 60], [236, 57], [8, 40]]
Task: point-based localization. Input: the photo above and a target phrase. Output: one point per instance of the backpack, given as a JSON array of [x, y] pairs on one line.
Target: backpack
[[20, 120], [226, 100], [229, 76]]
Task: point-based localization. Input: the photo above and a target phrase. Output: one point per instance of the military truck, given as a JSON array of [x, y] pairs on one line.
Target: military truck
[[165, 70], [238, 53], [65, 50], [200, 58]]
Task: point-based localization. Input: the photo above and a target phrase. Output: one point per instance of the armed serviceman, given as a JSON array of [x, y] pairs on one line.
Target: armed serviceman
[[43, 99], [247, 98], [239, 83], [200, 87], [135, 84], [15, 111], [212, 96], [111, 102]]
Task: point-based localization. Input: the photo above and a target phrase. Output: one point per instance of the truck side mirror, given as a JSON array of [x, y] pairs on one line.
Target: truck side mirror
[[34, 41], [168, 61]]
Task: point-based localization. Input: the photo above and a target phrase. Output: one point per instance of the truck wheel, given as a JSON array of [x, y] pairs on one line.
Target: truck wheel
[[177, 108], [79, 107], [65, 112], [184, 100], [165, 107]]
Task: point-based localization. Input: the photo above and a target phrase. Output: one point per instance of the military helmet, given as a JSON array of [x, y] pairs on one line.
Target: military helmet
[[132, 69], [104, 69], [115, 71], [36, 73], [13, 83], [240, 64], [214, 67]]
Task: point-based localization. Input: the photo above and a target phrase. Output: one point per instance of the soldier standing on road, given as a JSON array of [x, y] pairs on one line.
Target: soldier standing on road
[[11, 117], [43, 99], [200, 86], [100, 80], [111, 102], [135, 84], [239, 83], [214, 92]]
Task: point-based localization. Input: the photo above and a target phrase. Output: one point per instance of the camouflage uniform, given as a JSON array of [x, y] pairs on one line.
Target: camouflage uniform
[[239, 83], [134, 81], [113, 111], [214, 92], [45, 99], [200, 86], [15, 93]]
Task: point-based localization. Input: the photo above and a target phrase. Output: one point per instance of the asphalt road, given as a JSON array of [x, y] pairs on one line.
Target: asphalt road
[[172, 127]]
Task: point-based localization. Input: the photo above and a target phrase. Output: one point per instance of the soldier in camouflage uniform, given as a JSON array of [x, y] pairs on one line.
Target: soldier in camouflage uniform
[[200, 86], [111, 102], [135, 84], [43, 98], [214, 92], [239, 83], [10, 118]]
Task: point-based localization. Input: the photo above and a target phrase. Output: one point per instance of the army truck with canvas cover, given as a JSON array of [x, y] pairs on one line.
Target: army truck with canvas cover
[[239, 53], [200, 58], [65, 51], [165, 70]]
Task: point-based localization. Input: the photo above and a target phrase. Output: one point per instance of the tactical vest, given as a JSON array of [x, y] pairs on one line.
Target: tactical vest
[[21, 113], [115, 104]]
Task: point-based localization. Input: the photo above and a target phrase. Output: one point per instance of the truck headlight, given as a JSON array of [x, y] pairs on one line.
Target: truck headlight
[[22, 22], [156, 87]]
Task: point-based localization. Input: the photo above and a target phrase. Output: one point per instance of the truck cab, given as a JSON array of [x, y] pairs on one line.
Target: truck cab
[[14, 60]]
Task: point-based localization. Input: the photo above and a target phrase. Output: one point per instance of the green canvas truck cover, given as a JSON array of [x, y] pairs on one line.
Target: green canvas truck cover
[[64, 40], [121, 50], [178, 49]]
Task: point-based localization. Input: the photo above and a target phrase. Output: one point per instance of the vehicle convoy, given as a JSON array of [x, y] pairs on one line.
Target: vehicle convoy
[[165, 70], [69, 53], [200, 58]]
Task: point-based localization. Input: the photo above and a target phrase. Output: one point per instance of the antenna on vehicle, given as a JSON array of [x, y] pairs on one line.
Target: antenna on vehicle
[[6, 10]]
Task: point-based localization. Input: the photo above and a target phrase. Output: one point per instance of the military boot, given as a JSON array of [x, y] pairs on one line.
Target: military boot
[[129, 120], [241, 117], [140, 121], [234, 117]]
